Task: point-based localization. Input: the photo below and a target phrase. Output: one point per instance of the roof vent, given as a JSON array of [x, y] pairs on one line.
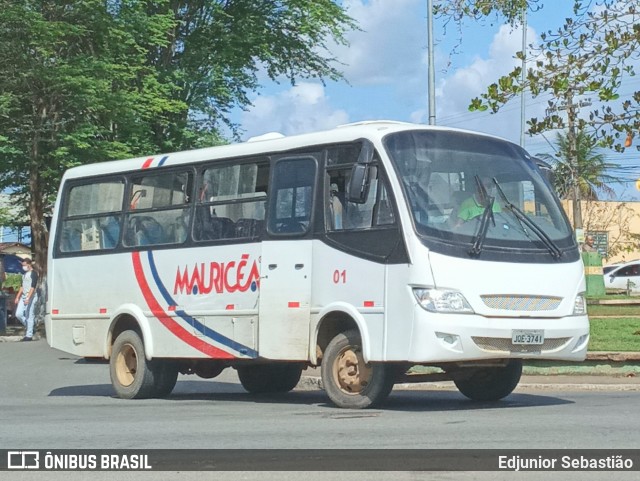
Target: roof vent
[[267, 136]]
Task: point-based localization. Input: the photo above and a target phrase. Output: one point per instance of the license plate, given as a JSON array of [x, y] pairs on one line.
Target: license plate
[[527, 337]]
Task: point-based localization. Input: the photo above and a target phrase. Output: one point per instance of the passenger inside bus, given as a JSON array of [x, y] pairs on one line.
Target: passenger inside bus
[[335, 207]]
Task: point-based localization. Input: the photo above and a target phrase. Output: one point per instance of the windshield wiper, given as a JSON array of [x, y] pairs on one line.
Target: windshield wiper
[[553, 249], [487, 214]]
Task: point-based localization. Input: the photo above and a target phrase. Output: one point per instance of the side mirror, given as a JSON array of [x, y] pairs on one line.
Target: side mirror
[[358, 188]]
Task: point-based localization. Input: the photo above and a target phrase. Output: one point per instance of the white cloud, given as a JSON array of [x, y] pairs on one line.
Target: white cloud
[[390, 45], [455, 92], [390, 50], [302, 108], [386, 65]]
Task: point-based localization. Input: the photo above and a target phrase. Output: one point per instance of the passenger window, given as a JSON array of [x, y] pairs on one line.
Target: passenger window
[[292, 199], [231, 202], [92, 217], [158, 210]]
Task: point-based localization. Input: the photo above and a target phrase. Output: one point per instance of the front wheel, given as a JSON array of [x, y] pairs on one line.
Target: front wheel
[[349, 381], [491, 383]]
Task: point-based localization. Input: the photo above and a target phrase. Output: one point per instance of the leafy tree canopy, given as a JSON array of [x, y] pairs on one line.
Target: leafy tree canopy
[[589, 55], [458, 10], [91, 80]]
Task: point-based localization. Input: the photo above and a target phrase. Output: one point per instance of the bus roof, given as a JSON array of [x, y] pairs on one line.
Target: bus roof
[[267, 143]]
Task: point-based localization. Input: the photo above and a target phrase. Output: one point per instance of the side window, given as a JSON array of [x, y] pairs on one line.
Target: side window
[[158, 209], [344, 215], [629, 271], [91, 218], [231, 201], [292, 195]]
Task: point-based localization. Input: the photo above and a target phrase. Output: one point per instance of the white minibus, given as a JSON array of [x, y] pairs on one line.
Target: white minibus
[[364, 250]]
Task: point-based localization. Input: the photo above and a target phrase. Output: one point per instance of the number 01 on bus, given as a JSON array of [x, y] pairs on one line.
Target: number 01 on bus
[[364, 251]]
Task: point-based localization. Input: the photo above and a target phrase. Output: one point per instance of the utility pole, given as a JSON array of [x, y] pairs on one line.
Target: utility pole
[[431, 73], [524, 74], [573, 159]]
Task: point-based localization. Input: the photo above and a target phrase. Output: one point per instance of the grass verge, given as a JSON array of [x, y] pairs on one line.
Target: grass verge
[[615, 334], [612, 310]]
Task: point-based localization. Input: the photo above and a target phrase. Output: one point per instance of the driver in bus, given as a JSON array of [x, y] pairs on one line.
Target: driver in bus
[[474, 206]]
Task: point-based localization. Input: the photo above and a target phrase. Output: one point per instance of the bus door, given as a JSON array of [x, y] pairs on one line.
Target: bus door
[[285, 268]]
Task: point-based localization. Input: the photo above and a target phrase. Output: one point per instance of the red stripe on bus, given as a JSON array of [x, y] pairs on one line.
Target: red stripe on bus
[[175, 328], [147, 163]]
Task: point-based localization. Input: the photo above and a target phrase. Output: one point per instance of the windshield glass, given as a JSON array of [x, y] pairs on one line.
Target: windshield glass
[[452, 180]]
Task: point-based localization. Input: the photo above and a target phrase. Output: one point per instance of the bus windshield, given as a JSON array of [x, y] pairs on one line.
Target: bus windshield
[[477, 193]]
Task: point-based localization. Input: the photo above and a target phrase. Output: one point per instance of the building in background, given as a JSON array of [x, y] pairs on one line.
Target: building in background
[[614, 225]]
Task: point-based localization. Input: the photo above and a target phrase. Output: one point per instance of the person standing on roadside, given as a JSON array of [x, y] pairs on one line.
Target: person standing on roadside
[[3, 307], [3, 274], [588, 244], [26, 299]]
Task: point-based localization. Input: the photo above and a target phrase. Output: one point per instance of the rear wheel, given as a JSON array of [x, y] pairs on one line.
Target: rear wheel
[[165, 377], [491, 383], [132, 375], [269, 378], [348, 380]]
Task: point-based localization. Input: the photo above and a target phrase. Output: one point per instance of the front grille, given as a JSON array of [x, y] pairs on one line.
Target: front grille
[[502, 344], [521, 303]]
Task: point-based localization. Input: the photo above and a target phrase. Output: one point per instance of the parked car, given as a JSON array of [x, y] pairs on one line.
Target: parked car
[[624, 276], [609, 268]]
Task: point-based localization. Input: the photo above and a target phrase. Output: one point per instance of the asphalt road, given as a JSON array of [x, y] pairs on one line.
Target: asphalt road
[[51, 400]]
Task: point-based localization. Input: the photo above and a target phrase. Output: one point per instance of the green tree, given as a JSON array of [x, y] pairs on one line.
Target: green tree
[[90, 80], [590, 170], [458, 10], [589, 55]]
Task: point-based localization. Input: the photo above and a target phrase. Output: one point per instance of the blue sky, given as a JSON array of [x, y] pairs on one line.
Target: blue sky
[[385, 69]]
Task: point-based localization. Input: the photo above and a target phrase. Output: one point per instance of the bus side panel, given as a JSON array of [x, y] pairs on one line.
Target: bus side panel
[[342, 278], [82, 337], [198, 302], [400, 303], [204, 300]]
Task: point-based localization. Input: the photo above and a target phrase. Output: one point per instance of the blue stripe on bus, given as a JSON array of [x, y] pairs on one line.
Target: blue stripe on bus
[[163, 160], [210, 333]]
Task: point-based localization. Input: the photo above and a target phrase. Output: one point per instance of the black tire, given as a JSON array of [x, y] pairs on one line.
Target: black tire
[[286, 377], [165, 374], [270, 378], [491, 383], [132, 376], [349, 382]]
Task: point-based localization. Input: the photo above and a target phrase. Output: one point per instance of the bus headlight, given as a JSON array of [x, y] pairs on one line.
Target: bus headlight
[[580, 305], [442, 300]]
